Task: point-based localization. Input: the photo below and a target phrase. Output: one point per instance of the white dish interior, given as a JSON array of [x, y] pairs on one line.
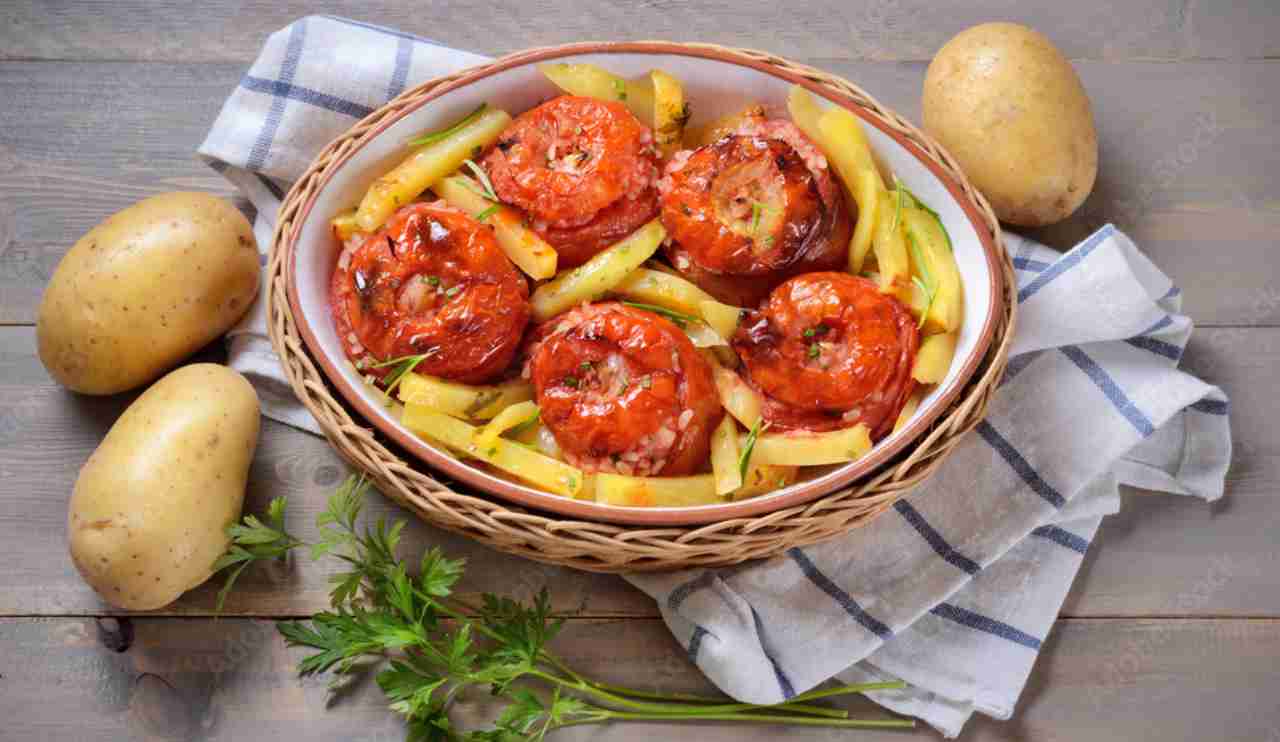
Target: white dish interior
[[713, 88]]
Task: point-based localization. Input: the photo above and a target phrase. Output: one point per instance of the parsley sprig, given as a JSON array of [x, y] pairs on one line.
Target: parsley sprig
[[254, 541], [428, 650]]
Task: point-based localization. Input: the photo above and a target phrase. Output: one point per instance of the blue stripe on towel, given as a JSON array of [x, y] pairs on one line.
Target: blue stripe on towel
[[1030, 265], [285, 90], [1068, 261], [695, 642], [682, 592], [1020, 465], [979, 622], [1211, 406], [845, 600], [1018, 364], [1062, 537], [288, 68], [1110, 388], [784, 683], [1158, 347], [400, 74], [935, 539]]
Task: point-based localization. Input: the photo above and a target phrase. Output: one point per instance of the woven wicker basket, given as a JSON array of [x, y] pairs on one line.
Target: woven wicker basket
[[604, 547]]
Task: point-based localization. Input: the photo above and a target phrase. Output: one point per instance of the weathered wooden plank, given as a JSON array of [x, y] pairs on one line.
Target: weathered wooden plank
[[233, 679], [1160, 556], [892, 30], [1184, 174]]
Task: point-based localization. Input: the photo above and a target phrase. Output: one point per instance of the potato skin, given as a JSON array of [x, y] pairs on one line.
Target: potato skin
[[148, 515], [145, 289], [1012, 111]]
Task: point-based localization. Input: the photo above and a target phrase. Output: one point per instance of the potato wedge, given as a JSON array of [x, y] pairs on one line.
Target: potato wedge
[[740, 400], [844, 142], [662, 289], [946, 311], [890, 245], [721, 317], [721, 127], [670, 112], [812, 449], [476, 402], [908, 409], [344, 225], [805, 112], [522, 245], [764, 478], [508, 456], [425, 167], [665, 492], [514, 416], [867, 196], [934, 358], [594, 81], [724, 456], [598, 275], [703, 336]]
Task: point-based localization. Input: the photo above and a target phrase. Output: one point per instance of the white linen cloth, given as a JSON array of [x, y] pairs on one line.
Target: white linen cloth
[[954, 591]]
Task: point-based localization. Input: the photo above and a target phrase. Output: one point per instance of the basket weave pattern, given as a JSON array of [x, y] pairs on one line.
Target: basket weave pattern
[[606, 547]]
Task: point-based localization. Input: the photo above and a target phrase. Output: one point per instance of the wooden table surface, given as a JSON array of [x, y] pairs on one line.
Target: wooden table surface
[[1173, 629]]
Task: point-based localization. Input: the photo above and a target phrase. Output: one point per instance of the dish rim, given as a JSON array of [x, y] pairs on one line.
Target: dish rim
[[513, 492]]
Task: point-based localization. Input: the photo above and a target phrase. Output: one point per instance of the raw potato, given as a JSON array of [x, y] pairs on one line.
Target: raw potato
[[1011, 110], [149, 511], [144, 289]]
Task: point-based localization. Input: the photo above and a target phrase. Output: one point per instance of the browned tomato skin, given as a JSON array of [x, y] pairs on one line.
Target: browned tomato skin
[[666, 376], [433, 281], [824, 344], [566, 160], [576, 245], [739, 253]]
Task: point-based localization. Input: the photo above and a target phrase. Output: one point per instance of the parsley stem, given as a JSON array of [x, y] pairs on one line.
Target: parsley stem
[[598, 715]]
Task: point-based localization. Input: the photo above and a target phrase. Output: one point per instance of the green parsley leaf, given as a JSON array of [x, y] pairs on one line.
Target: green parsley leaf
[[487, 213], [254, 541]]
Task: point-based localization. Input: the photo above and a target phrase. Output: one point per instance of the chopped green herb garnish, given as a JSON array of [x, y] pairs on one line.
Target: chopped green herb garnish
[[814, 350], [402, 367], [756, 208], [484, 179], [744, 458], [620, 88], [646, 382], [433, 280], [437, 136], [452, 291], [809, 333], [487, 213], [571, 382], [679, 318], [586, 366]]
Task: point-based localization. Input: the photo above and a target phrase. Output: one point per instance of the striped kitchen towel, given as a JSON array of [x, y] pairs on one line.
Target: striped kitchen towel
[[956, 589]]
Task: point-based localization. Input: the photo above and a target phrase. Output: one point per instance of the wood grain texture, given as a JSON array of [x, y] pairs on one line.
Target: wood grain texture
[[1101, 680], [1187, 176], [878, 29], [1162, 555]]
